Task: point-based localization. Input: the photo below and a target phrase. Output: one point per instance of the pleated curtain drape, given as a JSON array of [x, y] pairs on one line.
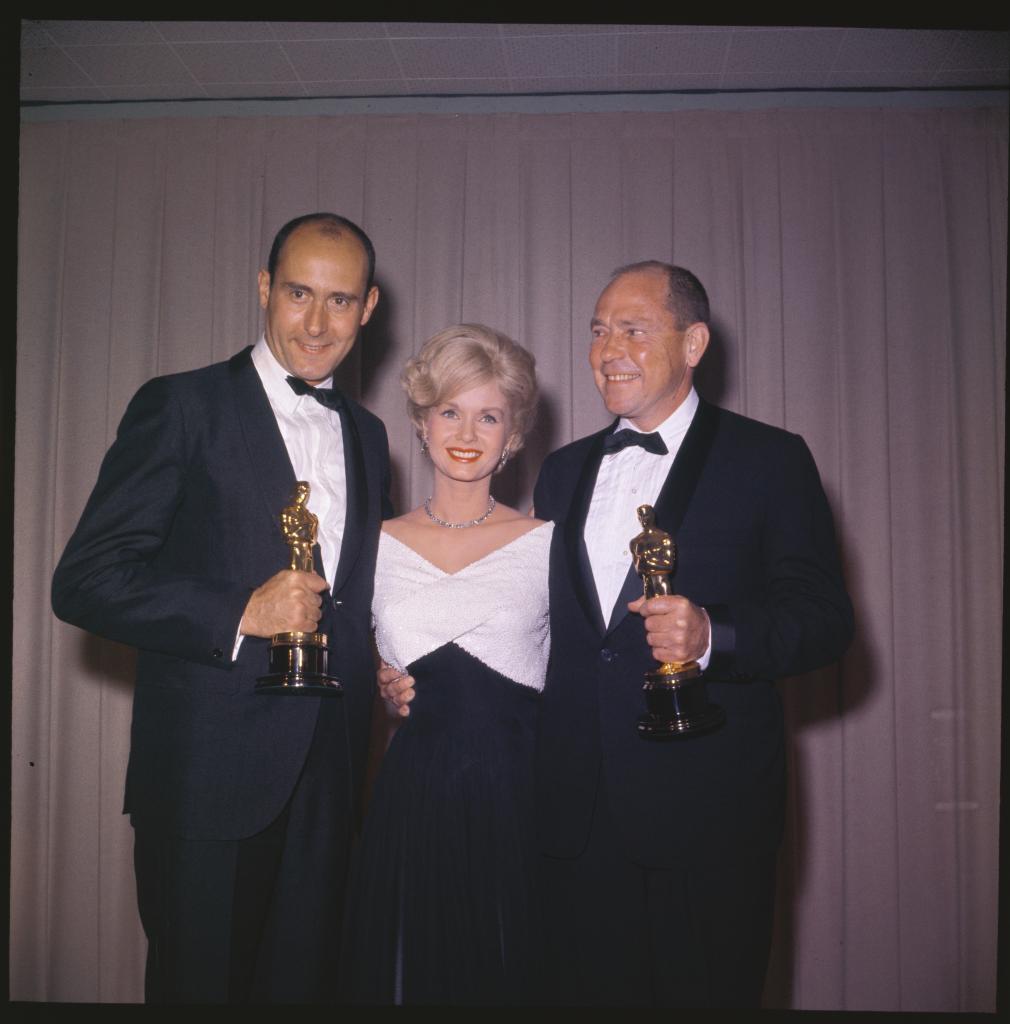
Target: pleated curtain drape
[[856, 263]]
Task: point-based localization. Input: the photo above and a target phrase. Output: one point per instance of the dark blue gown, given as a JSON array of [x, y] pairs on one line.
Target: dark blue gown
[[442, 906]]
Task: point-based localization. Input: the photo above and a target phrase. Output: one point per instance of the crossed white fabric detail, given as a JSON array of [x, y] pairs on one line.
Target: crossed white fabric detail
[[494, 609]]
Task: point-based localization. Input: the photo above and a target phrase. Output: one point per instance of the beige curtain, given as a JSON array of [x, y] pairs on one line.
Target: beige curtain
[[856, 261]]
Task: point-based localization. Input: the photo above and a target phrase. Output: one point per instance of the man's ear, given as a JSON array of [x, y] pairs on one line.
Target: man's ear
[[263, 283], [370, 302], [696, 339]]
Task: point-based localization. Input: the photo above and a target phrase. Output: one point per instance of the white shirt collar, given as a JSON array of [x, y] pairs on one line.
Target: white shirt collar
[[674, 427], [275, 378]]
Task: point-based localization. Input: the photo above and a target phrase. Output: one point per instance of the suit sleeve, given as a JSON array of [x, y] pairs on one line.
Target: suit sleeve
[[800, 617], [120, 574]]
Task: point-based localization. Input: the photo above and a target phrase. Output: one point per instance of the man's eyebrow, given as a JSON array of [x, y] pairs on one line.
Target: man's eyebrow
[[297, 286]]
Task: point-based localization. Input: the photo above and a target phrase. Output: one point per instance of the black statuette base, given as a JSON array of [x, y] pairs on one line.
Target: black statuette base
[[677, 705], [299, 666]]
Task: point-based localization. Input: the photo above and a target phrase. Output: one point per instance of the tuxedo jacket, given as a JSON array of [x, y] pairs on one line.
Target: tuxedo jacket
[[182, 526], [755, 548]]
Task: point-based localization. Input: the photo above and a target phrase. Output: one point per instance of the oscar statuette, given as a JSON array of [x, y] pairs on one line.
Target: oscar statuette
[[675, 697], [298, 661]]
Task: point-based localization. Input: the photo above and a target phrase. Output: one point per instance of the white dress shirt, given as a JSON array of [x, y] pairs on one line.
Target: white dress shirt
[[627, 479], [315, 443]]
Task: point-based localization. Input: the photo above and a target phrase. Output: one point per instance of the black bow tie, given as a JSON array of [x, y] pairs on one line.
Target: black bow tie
[[626, 438], [331, 398]]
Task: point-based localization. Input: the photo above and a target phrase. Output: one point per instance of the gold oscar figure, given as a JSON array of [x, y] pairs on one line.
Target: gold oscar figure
[[675, 698], [299, 661]]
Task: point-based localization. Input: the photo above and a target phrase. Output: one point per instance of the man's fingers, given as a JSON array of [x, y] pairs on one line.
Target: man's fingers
[[398, 695], [288, 602], [401, 692], [312, 581], [387, 674], [395, 687]]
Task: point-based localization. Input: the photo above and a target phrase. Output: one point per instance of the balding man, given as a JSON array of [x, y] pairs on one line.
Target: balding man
[[242, 802], [660, 855]]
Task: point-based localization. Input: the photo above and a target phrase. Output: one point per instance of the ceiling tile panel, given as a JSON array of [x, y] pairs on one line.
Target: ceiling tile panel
[[33, 33], [132, 65], [679, 52], [256, 90], [670, 81], [768, 80], [84, 33], [49, 66], [457, 86], [556, 30], [357, 87], [970, 77], [898, 79], [236, 62], [439, 29], [310, 31], [450, 58], [561, 55], [343, 60], [171, 59], [885, 49], [978, 50], [214, 31], [566, 84], [62, 94], [782, 51], [155, 91]]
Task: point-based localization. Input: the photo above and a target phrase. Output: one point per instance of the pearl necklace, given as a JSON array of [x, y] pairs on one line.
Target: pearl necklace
[[459, 526]]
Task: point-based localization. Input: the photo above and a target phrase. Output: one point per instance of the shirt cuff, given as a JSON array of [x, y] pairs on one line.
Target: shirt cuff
[[707, 656]]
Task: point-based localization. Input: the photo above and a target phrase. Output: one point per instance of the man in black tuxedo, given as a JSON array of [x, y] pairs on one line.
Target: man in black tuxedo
[[659, 856], [243, 803]]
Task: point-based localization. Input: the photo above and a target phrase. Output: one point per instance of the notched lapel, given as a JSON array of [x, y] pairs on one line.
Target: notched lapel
[[269, 464], [579, 569], [674, 497], [677, 492], [356, 478]]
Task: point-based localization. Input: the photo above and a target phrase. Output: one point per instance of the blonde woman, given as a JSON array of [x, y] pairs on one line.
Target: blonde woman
[[442, 904]]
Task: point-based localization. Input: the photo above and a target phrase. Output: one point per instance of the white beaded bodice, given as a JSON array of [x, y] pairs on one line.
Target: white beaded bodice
[[494, 608]]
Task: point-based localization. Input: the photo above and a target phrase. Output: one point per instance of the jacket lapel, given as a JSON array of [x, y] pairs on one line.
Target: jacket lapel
[[675, 496], [356, 479], [269, 463], [579, 569]]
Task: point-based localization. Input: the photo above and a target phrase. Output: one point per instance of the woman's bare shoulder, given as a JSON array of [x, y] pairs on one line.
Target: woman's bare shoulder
[[404, 526], [515, 523]]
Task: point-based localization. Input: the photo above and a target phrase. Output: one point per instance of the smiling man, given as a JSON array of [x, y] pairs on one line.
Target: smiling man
[[241, 802], [660, 855]]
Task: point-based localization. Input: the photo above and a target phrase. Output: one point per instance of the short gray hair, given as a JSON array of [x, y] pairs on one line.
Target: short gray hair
[[685, 294]]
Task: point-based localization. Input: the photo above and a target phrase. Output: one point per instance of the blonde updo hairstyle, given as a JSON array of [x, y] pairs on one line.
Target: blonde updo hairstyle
[[465, 356]]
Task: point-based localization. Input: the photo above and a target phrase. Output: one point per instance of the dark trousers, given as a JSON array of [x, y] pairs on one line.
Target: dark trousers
[[620, 934], [255, 919]]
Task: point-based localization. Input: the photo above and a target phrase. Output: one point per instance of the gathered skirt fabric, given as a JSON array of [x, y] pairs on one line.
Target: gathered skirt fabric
[[442, 905]]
